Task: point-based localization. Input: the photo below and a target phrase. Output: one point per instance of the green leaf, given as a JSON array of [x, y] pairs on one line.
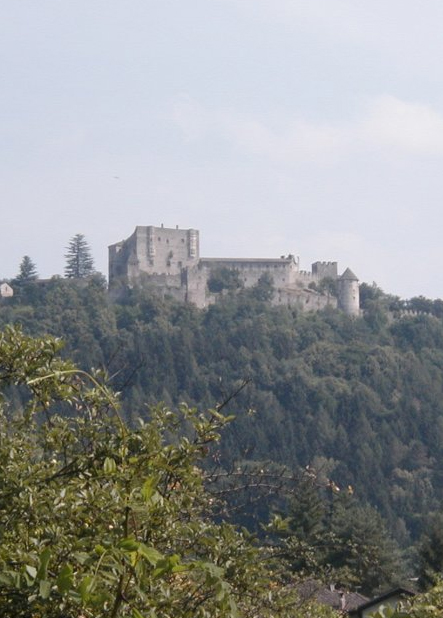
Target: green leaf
[[211, 568], [44, 588], [7, 579], [150, 554], [129, 544], [136, 613], [174, 559], [109, 466], [31, 571], [65, 579], [220, 591], [43, 566], [148, 488], [85, 587]]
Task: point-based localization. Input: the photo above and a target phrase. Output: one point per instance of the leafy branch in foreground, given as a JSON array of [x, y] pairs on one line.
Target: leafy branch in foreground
[[99, 519]]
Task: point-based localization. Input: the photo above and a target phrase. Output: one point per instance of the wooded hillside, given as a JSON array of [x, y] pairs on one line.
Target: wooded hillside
[[359, 401]]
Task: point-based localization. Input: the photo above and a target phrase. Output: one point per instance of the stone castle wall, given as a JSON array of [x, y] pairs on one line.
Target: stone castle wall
[[169, 260], [284, 271], [154, 251], [323, 270], [304, 299]]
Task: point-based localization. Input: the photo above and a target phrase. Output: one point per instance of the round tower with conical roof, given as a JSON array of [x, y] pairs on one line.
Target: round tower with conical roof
[[348, 293]]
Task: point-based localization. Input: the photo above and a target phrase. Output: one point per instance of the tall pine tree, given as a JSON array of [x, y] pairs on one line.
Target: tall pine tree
[[28, 271], [79, 262]]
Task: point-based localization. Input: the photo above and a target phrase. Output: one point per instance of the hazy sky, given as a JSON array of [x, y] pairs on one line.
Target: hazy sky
[[309, 127]]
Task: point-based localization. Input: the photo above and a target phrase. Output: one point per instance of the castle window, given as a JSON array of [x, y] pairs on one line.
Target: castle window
[[183, 240], [159, 239]]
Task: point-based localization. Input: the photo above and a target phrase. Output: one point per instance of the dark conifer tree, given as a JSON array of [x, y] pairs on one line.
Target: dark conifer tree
[[79, 262], [28, 271]]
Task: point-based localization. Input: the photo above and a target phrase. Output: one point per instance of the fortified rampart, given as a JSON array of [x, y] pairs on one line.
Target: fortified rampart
[[169, 260]]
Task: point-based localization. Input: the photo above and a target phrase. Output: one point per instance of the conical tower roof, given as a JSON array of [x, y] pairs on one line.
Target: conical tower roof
[[349, 275]]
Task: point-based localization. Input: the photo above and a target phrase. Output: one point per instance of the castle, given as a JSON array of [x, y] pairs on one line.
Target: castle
[[169, 260]]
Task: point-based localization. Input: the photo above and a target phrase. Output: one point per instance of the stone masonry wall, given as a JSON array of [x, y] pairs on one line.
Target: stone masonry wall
[[169, 260]]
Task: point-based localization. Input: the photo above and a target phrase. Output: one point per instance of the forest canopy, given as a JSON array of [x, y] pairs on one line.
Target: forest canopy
[[358, 401]]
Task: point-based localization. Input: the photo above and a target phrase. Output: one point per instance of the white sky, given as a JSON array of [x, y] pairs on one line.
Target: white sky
[[310, 127]]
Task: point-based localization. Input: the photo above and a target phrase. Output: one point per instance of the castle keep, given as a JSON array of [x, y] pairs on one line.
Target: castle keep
[[169, 260]]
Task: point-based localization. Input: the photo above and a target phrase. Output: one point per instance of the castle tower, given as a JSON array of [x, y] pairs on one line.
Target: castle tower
[[348, 293], [153, 251], [323, 270]]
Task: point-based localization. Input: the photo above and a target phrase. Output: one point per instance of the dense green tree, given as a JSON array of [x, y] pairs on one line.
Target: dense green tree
[[27, 272], [301, 529], [420, 304], [101, 519], [362, 548], [222, 278], [326, 528], [369, 293], [263, 290], [79, 262], [329, 286]]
